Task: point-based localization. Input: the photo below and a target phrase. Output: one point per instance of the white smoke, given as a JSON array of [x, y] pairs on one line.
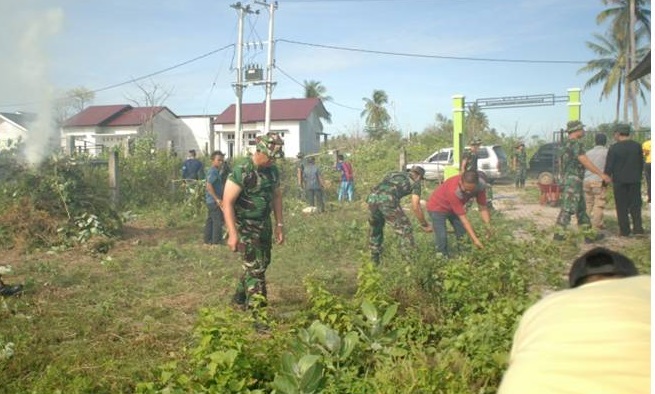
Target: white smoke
[[26, 27]]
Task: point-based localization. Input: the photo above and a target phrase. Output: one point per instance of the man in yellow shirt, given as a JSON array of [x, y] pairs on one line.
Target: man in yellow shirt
[[592, 338], [645, 147]]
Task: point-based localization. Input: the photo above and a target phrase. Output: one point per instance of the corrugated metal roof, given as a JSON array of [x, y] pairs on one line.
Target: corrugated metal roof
[[135, 116], [283, 109]]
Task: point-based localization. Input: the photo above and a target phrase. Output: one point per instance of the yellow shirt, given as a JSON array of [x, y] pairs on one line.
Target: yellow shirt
[[591, 339], [646, 148]]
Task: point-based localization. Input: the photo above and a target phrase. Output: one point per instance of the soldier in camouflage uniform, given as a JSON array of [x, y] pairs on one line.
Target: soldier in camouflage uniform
[[251, 192], [573, 162], [384, 205], [520, 165]]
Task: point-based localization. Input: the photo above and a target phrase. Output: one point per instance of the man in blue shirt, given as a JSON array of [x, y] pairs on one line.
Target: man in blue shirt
[[192, 167], [214, 200]]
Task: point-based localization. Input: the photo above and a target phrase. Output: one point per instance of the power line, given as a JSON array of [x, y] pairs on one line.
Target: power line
[[277, 67], [419, 55], [116, 85]]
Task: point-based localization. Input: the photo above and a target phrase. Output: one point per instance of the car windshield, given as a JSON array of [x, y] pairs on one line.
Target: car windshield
[[500, 152]]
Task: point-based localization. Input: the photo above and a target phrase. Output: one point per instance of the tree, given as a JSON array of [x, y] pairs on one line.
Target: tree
[[630, 23], [153, 95], [72, 102], [376, 114], [314, 89], [477, 123], [609, 68]]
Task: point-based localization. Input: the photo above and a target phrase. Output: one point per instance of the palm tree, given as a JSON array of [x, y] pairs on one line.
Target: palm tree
[[477, 122], [377, 117], [630, 23], [315, 89], [609, 69]]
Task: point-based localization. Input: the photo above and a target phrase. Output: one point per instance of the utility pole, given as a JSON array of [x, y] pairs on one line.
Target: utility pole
[[270, 62], [239, 85]]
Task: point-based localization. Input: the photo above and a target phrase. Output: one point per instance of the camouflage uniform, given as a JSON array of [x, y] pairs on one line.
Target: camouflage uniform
[[253, 219], [572, 195], [471, 161], [472, 165], [384, 205], [521, 168]]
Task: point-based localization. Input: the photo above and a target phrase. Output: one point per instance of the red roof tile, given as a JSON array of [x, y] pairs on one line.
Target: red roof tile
[[95, 115], [113, 115], [135, 116], [284, 109]]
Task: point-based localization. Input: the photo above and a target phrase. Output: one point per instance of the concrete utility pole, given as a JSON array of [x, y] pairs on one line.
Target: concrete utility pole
[[270, 63], [239, 85]]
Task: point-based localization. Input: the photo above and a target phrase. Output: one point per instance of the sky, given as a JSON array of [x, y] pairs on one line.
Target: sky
[[50, 46]]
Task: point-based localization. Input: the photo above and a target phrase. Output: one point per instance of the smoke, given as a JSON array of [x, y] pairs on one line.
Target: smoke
[[26, 28]]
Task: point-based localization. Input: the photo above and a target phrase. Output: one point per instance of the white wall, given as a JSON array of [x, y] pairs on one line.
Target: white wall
[[200, 128], [10, 134]]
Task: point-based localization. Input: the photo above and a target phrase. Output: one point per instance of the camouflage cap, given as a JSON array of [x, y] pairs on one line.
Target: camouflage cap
[[574, 125], [418, 170], [622, 128], [270, 145], [476, 141]]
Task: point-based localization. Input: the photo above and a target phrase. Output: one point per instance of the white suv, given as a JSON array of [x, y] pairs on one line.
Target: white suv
[[492, 160]]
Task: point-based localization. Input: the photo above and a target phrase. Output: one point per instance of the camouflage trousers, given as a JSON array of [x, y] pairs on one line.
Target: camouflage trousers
[[519, 177], [255, 243], [379, 214], [573, 203]]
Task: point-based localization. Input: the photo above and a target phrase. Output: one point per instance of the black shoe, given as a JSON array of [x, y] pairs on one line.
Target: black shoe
[[638, 232], [239, 299], [7, 291]]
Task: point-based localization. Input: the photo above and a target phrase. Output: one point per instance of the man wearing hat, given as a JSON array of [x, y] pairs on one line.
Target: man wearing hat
[[251, 192], [591, 338], [573, 162], [624, 164], [384, 206], [446, 203], [470, 159], [520, 165]]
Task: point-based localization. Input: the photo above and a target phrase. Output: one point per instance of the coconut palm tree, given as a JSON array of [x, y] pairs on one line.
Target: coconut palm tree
[[315, 89], [630, 22], [609, 69], [377, 117], [477, 122]]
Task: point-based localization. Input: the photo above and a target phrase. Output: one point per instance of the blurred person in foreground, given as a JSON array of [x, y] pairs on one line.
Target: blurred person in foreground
[[447, 203], [591, 338], [251, 192], [384, 206]]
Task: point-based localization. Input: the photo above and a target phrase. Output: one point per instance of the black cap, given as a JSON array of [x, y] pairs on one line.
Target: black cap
[[600, 261]]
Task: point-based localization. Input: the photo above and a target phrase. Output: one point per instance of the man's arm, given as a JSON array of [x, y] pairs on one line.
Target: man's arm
[[230, 195], [210, 189], [469, 230], [418, 212], [277, 213], [588, 164]]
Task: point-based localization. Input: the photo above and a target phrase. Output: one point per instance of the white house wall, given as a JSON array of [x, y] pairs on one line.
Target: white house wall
[[200, 128], [10, 134]]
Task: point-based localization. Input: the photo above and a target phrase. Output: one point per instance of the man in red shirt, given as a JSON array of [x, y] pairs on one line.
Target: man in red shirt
[[447, 202]]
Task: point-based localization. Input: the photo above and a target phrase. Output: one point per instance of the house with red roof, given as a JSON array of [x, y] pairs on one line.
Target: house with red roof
[[101, 127], [298, 121]]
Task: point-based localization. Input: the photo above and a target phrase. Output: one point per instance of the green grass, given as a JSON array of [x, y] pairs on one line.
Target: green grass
[[102, 323]]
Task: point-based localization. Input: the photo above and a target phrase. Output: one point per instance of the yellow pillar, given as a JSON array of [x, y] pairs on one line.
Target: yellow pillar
[[574, 104], [458, 134]]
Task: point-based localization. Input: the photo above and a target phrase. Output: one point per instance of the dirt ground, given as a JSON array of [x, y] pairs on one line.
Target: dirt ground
[[521, 204]]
